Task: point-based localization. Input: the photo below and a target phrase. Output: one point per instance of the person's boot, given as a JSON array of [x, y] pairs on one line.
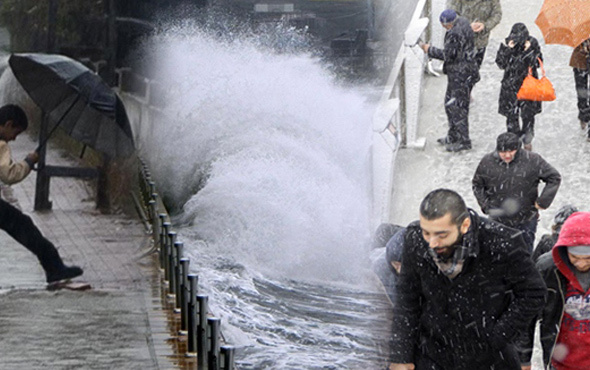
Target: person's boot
[[583, 125], [457, 147], [443, 140], [66, 272]]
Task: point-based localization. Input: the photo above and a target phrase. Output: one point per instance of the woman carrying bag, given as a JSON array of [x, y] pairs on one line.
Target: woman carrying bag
[[520, 52]]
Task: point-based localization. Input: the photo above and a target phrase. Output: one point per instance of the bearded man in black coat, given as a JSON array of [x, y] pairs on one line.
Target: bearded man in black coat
[[506, 186], [467, 289], [462, 73]]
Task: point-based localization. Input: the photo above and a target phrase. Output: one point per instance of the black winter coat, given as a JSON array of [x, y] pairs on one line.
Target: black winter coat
[[459, 51], [545, 244], [507, 192], [468, 322], [516, 62]]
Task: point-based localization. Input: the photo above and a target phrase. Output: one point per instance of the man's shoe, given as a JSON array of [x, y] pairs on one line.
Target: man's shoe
[[583, 125], [443, 140], [67, 272], [457, 147]]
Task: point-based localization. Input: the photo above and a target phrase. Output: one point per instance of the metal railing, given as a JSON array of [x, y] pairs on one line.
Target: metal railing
[[196, 323], [395, 121]]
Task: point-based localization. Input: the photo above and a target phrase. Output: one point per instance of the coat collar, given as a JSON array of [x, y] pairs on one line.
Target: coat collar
[[470, 238]]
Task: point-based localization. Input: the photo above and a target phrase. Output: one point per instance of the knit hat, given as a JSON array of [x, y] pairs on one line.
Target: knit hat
[[580, 250], [448, 16], [575, 231], [563, 213], [507, 141]]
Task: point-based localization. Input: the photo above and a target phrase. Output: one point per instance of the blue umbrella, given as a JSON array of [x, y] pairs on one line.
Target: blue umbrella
[[76, 100]]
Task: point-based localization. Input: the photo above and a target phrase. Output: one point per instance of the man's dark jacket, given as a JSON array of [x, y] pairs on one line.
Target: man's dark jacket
[[544, 245], [552, 312], [468, 322], [459, 51], [507, 192]]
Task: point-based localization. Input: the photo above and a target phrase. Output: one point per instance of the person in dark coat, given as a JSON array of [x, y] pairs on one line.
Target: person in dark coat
[[520, 52], [387, 244], [462, 73], [548, 240], [565, 319], [467, 287], [580, 62], [506, 186], [484, 15]]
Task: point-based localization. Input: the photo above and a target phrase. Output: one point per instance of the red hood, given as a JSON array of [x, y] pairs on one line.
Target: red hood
[[575, 231]]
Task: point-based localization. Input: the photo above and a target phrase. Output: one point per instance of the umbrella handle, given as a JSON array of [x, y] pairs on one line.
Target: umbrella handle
[[42, 144]]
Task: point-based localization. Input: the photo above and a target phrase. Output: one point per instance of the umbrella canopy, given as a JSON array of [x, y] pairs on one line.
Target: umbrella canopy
[[565, 22], [76, 99]]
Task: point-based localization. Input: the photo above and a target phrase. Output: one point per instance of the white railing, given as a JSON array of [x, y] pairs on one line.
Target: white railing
[[395, 122]]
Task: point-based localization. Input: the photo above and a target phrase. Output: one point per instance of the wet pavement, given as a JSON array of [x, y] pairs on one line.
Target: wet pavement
[[119, 324]]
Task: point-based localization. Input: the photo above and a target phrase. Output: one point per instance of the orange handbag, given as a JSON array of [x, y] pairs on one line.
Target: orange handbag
[[536, 89]]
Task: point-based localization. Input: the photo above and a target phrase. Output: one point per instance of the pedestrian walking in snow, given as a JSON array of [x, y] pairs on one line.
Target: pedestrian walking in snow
[[13, 121], [580, 62], [484, 15], [548, 240], [462, 73], [565, 319], [519, 52], [506, 186], [467, 287]]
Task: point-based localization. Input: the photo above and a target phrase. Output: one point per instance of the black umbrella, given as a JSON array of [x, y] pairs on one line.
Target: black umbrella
[[76, 100]]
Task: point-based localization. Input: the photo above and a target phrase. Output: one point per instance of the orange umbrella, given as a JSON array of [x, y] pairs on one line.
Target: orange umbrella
[[565, 22]]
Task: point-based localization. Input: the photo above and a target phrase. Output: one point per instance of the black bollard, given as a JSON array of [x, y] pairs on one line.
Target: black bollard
[[227, 358], [170, 239], [153, 203], [152, 215], [193, 281], [152, 187], [154, 197], [214, 324], [183, 293], [172, 266], [178, 251], [161, 240], [202, 344]]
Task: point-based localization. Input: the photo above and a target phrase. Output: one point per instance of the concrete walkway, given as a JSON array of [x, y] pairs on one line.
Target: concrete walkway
[[118, 324], [558, 138]]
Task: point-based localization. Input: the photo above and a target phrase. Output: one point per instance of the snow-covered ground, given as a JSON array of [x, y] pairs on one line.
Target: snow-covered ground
[[558, 137]]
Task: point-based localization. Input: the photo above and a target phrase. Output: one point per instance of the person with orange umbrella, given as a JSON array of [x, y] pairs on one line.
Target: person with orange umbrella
[[580, 61], [567, 22], [564, 22]]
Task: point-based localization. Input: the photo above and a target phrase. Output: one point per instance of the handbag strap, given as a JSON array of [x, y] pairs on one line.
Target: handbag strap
[[540, 66]]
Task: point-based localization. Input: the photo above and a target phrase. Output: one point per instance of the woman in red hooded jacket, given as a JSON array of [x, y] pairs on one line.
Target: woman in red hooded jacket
[[565, 325]]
